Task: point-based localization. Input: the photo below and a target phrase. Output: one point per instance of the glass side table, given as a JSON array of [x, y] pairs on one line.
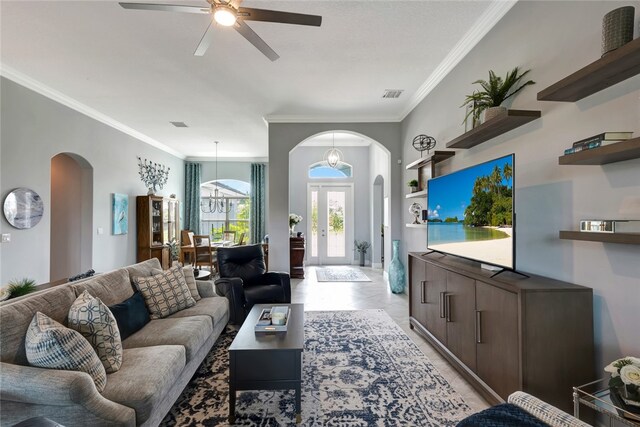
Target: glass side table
[[596, 395]]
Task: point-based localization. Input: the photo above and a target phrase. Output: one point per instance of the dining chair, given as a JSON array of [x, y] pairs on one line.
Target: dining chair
[[229, 236], [204, 254], [187, 248], [240, 240]]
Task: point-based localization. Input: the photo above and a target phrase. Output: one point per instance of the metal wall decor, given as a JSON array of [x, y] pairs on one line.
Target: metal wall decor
[[153, 175], [424, 143], [23, 208]]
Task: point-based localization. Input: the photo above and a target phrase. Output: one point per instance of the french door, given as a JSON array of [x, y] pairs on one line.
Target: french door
[[330, 232]]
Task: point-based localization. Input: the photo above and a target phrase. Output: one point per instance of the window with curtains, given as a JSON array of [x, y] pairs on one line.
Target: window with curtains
[[228, 212]]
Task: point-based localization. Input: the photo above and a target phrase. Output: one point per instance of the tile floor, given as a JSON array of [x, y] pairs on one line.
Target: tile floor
[[318, 296]]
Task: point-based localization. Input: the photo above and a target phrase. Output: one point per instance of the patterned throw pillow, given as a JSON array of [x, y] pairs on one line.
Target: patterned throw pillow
[[93, 319], [51, 345], [165, 293], [190, 278]]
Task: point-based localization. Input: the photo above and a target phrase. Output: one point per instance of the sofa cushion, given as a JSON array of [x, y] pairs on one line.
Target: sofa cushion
[[217, 308], [189, 332], [111, 288], [94, 321], [131, 315], [16, 316], [147, 373], [143, 269], [165, 293], [51, 345], [190, 278]]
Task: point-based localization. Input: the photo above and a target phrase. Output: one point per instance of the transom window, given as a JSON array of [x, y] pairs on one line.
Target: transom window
[[323, 170]]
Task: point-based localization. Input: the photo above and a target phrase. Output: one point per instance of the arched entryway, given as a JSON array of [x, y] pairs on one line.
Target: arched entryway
[[71, 216]]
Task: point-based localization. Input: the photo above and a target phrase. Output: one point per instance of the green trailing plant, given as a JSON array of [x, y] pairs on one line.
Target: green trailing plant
[[362, 246], [18, 288], [413, 183], [495, 91]]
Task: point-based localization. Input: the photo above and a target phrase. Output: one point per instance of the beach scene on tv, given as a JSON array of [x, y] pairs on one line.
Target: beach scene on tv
[[470, 213]]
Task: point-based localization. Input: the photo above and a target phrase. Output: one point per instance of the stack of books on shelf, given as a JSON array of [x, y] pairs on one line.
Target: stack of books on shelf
[[606, 138]]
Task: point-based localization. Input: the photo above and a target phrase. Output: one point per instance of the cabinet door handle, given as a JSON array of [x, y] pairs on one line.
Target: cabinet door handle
[[478, 326], [423, 292], [442, 313], [447, 307]]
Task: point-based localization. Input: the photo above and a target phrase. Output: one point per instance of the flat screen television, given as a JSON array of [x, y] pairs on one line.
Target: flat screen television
[[470, 213]]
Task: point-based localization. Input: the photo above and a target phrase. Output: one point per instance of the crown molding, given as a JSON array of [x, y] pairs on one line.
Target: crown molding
[[329, 119], [67, 101], [482, 26], [227, 159]]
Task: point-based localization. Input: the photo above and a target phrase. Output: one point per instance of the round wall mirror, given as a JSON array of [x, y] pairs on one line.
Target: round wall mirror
[[23, 208]]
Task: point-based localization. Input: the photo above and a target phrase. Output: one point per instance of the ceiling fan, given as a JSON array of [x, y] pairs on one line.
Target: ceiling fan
[[229, 14]]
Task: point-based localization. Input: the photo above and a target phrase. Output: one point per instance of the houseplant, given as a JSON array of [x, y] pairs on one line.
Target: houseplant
[[174, 250], [362, 248], [494, 93], [413, 184], [625, 380], [18, 288]]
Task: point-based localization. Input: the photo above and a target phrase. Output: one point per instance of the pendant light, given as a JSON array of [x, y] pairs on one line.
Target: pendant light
[[217, 203], [333, 156]]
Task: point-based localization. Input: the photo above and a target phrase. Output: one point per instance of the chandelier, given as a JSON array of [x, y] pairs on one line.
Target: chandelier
[[153, 175], [216, 203], [333, 156]]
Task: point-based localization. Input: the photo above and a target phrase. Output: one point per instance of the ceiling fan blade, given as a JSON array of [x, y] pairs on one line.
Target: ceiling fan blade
[[166, 7], [250, 14], [255, 40], [206, 40]]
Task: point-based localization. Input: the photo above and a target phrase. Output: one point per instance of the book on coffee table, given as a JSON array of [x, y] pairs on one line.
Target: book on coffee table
[[266, 322]]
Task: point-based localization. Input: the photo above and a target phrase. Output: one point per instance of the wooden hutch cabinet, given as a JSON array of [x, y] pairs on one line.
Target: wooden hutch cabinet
[[158, 221]]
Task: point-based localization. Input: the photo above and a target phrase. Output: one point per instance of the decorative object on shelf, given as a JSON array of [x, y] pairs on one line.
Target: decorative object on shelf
[[423, 143], [396, 270], [85, 275], [120, 210], [4, 293], [18, 288], [416, 210], [617, 28], [413, 184], [333, 156], [494, 93], [23, 208], [153, 175], [625, 381], [217, 203], [362, 248], [293, 220]]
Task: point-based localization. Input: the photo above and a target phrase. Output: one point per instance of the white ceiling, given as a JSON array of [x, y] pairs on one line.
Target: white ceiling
[[136, 69]]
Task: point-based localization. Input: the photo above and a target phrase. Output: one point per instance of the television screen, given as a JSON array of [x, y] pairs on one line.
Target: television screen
[[470, 213]]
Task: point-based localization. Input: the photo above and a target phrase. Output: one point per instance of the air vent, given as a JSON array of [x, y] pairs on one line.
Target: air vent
[[179, 124], [392, 93]]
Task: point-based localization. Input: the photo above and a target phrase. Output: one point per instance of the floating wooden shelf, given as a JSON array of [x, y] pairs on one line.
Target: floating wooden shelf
[[494, 127], [628, 238], [436, 157], [422, 193], [618, 152], [416, 225], [613, 68]]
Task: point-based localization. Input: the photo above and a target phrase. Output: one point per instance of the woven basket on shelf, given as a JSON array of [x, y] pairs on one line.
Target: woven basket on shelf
[[617, 28]]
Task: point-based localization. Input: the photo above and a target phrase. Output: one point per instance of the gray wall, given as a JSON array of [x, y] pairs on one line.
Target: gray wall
[[550, 197], [358, 157], [226, 170], [34, 129], [283, 137]]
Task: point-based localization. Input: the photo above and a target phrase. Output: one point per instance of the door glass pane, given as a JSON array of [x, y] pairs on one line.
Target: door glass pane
[[314, 223], [336, 206]]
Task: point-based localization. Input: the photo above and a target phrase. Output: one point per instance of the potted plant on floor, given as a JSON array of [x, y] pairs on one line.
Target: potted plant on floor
[[494, 93], [362, 248], [413, 185]]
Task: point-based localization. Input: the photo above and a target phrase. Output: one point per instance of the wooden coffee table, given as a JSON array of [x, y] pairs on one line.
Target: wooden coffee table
[[267, 360]]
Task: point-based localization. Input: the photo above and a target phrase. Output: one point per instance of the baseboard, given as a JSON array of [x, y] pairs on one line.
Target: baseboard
[[377, 265]]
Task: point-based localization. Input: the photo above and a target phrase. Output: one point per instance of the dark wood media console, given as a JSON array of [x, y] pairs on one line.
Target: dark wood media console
[[505, 333]]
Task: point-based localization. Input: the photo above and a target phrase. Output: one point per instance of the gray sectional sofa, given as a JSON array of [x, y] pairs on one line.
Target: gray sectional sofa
[[158, 360]]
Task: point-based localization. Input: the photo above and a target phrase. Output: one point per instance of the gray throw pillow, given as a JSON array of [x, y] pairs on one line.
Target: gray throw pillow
[[190, 278], [165, 293]]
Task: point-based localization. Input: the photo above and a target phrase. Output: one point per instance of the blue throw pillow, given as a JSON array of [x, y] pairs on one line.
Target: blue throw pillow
[[503, 415], [131, 315]]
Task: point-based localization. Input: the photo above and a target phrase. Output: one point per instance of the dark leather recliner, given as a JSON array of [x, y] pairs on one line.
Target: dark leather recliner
[[245, 281]]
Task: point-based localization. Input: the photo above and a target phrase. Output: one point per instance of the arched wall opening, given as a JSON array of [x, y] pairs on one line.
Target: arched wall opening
[[71, 216]]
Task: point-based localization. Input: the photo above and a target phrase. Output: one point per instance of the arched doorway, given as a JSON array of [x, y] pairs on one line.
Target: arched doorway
[[71, 216]]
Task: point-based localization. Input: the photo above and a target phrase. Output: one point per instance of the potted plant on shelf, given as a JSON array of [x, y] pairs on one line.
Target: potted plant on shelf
[[413, 184], [362, 248], [494, 93], [625, 383], [18, 288]]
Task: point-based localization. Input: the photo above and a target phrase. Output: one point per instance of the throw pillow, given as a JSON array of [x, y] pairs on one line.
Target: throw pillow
[[131, 315], [92, 318], [166, 293], [190, 278], [50, 345]]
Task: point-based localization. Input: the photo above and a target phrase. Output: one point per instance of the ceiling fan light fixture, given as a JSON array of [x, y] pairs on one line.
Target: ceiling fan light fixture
[[224, 15]]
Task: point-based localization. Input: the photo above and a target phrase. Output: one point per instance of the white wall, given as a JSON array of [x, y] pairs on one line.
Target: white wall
[[34, 129], [553, 39], [380, 165], [283, 137], [358, 157]]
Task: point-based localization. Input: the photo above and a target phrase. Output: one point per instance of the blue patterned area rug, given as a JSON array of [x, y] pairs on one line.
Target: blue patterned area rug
[[340, 274], [359, 369]]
